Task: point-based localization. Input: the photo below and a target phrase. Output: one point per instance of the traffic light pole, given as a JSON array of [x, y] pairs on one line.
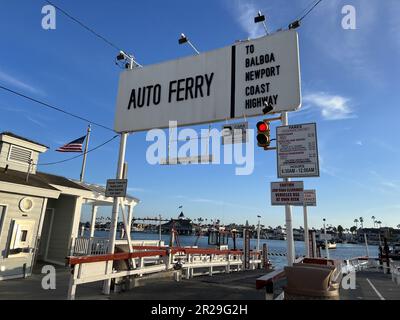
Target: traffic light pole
[[288, 213]]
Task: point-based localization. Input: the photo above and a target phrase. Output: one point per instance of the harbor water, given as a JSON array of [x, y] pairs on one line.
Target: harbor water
[[342, 251]]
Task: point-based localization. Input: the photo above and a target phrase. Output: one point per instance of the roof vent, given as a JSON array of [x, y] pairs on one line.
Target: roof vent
[[20, 155]]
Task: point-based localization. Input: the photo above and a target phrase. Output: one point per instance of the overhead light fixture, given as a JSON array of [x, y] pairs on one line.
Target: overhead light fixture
[[183, 39], [260, 18], [121, 56], [294, 25], [268, 108]]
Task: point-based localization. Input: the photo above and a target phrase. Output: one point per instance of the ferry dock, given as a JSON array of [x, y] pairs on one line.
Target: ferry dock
[[370, 284]]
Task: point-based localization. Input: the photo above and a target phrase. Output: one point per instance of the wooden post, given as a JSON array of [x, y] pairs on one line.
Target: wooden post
[[72, 285], [386, 249]]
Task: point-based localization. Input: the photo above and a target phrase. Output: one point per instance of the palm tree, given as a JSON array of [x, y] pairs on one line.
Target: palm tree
[[373, 219], [356, 222], [362, 222], [379, 223]]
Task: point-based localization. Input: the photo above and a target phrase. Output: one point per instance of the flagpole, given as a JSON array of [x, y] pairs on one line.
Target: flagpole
[[85, 154]]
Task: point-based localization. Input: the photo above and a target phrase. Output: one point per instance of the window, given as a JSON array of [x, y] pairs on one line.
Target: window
[[21, 155], [24, 234]]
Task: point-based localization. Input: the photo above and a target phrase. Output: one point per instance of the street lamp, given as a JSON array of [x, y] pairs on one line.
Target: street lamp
[[183, 39], [261, 18]]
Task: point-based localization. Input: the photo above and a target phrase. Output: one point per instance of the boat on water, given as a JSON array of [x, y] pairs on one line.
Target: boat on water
[[331, 244]]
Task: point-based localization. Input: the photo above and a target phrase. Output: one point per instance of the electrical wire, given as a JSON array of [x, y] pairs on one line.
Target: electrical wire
[[85, 26], [80, 155], [54, 108], [92, 31], [311, 9], [311, 3], [305, 12]]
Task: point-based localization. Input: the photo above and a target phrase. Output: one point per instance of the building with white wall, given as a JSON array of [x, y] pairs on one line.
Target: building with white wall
[[39, 212]]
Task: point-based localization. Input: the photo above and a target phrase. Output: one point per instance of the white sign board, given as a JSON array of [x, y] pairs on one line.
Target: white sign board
[[310, 198], [116, 187], [187, 160], [235, 133], [297, 151], [227, 83], [287, 193], [328, 237]]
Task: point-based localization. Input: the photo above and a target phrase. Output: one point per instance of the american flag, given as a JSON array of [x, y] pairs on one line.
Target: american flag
[[73, 146]]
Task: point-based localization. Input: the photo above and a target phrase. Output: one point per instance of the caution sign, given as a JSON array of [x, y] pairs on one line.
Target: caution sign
[[287, 193]]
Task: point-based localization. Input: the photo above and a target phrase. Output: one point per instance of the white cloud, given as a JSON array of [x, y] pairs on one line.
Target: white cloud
[[12, 80], [245, 13], [359, 143], [332, 107]]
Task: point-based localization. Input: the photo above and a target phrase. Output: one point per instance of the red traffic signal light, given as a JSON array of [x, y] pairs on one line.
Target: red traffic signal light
[[262, 126], [263, 134]]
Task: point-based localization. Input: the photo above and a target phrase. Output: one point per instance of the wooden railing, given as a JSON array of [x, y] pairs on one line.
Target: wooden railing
[[91, 268]]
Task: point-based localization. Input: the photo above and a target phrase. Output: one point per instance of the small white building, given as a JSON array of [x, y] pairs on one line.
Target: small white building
[[39, 212]]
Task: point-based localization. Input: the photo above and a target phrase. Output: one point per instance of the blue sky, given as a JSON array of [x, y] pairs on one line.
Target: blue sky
[[349, 84]]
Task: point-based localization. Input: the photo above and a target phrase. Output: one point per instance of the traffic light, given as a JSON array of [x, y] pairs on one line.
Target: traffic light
[[263, 134]]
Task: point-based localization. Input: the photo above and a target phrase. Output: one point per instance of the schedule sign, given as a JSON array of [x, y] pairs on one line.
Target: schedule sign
[[287, 193], [297, 151], [229, 83]]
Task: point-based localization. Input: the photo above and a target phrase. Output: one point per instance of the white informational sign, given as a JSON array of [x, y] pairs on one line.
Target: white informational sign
[[297, 151], [310, 198], [116, 187], [232, 82], [188, 160], [287, 193], [326, 237], [235, 133]]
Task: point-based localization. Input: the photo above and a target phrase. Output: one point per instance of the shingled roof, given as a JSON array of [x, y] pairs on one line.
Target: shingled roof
[[18, 177]]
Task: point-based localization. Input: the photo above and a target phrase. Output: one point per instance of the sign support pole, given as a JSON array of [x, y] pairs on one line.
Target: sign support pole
[[306, 235], [115, 209], [288, 213]]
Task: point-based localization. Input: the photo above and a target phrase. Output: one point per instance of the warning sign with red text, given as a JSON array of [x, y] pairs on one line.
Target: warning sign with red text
[[287, 193]]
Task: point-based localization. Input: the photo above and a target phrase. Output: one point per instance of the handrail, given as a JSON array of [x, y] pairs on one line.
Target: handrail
[[270, 278], [71, 260], [162, 251]]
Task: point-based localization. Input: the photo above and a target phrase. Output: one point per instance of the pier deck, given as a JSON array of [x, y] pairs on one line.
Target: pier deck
[[233, 286], [372, 285]]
